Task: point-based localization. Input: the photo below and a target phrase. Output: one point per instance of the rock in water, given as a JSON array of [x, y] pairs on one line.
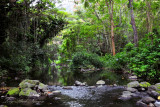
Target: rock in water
[[152, 87], [133, 77], [141, 104], [148, 100], [67, 88], [134, 84], [28, 83], [78, 83], [56, 92], [141, 89], [114, 85], [100, 82], [42, 87], [127, 95], [151, 105], [153, 93], [50, 94], [27, 92], [132, 89], [157, 85], [157, 104]]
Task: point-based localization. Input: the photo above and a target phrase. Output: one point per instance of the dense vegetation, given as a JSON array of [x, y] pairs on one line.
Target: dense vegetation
[[118, 35], [26, 27]]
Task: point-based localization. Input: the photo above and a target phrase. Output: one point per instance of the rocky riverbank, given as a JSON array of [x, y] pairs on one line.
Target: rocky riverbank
[[33, 92], [149, 94]]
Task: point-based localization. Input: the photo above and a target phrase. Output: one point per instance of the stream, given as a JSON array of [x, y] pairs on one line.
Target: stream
[[77, 96]]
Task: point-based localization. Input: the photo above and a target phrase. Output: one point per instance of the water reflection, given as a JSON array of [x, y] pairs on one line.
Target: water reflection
[[60, 75]]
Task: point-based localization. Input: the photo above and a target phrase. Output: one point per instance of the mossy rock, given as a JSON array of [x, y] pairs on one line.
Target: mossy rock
[[13, 92], [42, 87], [134, 84], [28, 92], [158, 86], [145, 84], [158, 91], [28, 83]]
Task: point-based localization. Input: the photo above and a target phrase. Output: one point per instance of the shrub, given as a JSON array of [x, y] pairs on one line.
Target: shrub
[[22, 57], [146, 62], [83, 59]]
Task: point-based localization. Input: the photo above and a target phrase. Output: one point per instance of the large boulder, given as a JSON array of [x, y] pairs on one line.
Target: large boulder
[[28, 83], [148, 100], [13, 92], [100, 82], [152, 87], [153, 93], [134, 84], [28, 92]]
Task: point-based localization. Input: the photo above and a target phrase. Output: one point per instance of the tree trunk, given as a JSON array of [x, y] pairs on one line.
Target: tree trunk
[[149, 16], [133, 23], [112, 30], [110, 9]]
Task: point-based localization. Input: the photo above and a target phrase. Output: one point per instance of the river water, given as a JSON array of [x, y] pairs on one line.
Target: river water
[[78, 96]]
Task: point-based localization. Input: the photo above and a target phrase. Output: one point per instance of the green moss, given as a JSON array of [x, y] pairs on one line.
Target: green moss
[[41, 86], [28, 83], [27, 92], [158, 91], [145, 84], [158, 86], [13, 91]]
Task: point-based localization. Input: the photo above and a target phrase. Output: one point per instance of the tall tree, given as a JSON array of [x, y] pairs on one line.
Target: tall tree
[[110, 10], [133, 23], [149, 16]]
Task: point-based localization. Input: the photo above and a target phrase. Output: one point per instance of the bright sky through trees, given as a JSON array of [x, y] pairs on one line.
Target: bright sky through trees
[[68, 5]]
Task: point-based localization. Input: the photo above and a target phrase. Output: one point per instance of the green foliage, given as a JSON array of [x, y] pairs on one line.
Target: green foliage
[[26, 30], [14, 58], [118, 62], [142, 61], [145, 63], [83, 59], [3, 72]]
